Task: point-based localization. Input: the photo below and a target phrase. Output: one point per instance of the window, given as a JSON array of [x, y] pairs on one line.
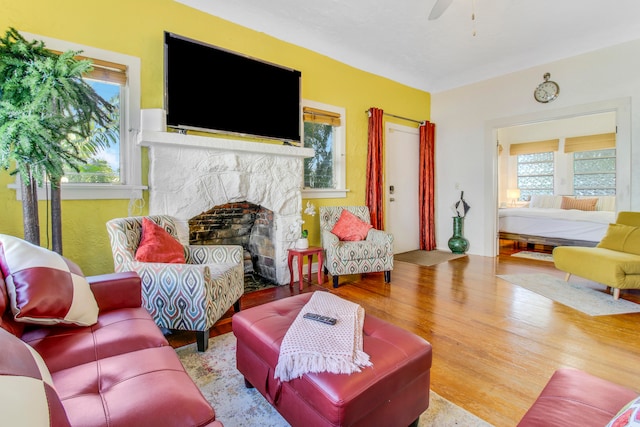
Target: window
[[324, 174], [594, 164], [594, 173], [114, 173], [109, 81], [535, 174]]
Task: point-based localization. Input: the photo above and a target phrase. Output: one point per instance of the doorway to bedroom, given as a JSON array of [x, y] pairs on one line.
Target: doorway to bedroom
[[546, 166]]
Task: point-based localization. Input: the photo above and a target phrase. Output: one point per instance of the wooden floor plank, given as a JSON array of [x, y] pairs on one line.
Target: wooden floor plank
[[495, 344]]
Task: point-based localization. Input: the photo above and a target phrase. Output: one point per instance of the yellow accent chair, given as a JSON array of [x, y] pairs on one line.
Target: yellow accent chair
[[614, 262]]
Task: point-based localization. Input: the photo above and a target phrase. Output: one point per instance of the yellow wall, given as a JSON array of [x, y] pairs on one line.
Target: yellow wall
[[136, 28]]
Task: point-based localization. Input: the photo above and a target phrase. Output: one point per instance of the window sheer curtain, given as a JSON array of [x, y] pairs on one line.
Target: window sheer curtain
[[426, 186], [374, 169]]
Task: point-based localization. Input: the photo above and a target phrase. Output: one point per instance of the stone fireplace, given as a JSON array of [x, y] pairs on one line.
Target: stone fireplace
[[190, 175]]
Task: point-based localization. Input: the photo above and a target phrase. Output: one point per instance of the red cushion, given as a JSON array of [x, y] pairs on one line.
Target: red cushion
[[117, 332], [350, 228], [148, 387], [44, 287], [157, 245]]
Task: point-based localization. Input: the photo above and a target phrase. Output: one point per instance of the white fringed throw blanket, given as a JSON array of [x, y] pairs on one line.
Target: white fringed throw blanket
[[311, 346]]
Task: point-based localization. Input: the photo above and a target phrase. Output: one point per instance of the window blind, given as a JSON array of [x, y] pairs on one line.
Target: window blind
[[590, 142], [104, 70], [534, 147], [315, 115]]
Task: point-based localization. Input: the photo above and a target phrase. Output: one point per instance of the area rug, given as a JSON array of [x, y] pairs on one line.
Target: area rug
[[540, 256], [426, 258], [215, 373], [254, 282], [582, 298]]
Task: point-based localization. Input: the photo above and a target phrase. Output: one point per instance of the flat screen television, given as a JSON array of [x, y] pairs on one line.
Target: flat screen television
[[212, 89]]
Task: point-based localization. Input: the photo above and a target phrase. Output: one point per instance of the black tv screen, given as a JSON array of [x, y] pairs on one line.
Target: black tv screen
[[212, 89]]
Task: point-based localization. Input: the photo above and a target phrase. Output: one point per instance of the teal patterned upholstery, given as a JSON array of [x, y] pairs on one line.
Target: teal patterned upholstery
[[191, 296], [366, 256]]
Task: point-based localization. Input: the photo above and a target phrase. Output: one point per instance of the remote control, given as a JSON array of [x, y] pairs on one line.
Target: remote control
[[324, 319]]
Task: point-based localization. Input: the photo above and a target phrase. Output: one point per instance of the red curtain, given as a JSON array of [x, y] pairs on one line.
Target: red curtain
[[374, 169], [426, 187]]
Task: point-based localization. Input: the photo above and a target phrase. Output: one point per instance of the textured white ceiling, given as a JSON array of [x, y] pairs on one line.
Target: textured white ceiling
[[394, 38]]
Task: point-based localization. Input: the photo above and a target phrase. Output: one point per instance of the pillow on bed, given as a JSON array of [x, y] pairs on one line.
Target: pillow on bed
[[580, 204], [605, 203], [545, 201], [622, 238]]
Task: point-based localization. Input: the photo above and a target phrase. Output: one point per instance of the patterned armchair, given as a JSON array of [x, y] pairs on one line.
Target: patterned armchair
[[191, 296], [373, 254]]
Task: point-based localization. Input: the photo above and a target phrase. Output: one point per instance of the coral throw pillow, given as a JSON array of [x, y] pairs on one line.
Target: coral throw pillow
[[44, 287], [579, 204], [29, 398], [157, 245], [350, 228]]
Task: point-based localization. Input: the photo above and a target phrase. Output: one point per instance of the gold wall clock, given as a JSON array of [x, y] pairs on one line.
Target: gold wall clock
[[546, 91]]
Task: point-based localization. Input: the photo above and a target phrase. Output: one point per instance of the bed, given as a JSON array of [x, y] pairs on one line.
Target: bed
[[545, 222]]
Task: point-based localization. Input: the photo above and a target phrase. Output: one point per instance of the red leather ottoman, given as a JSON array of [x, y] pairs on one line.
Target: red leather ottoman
[[393, 392]]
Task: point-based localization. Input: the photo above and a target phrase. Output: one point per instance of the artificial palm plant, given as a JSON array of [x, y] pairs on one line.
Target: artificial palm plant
[[48, 115]]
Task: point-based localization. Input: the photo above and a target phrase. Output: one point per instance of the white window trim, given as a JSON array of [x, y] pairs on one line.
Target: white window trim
[[339, 159], [130, 152]]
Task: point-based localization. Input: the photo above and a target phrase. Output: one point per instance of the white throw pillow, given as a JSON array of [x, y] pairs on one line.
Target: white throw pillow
[[44, 287]]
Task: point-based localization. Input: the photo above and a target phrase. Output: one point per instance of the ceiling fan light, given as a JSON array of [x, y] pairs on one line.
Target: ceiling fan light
[[439, 8]]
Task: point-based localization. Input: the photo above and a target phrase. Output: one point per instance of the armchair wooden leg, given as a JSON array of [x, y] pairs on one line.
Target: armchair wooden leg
[[566, 278], [616, 293], [335, 281], [236, 306], [202, 339], [387, 276]]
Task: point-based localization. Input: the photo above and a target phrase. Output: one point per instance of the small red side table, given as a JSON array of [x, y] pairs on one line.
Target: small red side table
[[309, 252]]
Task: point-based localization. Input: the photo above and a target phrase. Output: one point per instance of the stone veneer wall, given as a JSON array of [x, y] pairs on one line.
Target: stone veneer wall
[[186, 179]]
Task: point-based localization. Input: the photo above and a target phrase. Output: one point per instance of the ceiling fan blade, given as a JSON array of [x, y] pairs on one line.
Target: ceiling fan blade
[[439, 8]]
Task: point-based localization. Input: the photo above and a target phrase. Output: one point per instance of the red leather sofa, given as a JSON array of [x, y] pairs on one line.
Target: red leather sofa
[[574, 398], [120, 371]]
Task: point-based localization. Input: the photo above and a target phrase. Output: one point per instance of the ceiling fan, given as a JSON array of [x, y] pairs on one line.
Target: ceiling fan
[[442, 5], [439, 8]]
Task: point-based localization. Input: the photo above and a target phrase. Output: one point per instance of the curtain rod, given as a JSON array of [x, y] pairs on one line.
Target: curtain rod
[[420, 122]]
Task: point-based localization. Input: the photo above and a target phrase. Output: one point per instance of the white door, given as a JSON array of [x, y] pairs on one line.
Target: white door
[[402, 149]]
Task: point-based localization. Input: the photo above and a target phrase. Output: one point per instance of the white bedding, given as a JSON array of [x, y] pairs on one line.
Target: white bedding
[[556, 223]]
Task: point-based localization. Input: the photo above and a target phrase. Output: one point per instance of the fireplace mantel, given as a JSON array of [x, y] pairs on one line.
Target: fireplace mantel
[[149, 138]]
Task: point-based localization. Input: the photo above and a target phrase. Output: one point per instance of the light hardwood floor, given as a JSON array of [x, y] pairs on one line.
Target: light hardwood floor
[[494, 344]]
